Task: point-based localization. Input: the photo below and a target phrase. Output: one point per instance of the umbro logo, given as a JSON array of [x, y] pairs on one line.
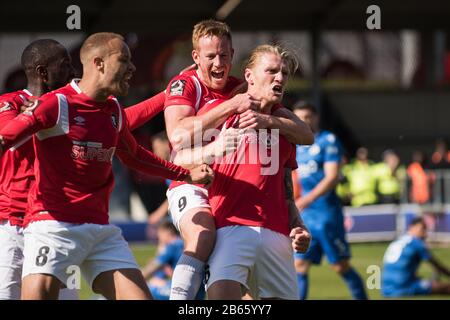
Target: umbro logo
[[79, 120]]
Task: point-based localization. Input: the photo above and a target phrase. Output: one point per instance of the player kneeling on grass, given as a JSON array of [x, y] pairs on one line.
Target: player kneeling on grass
[[159, 270], [403, 258]]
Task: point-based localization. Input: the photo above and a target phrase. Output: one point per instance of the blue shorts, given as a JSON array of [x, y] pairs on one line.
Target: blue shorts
[[328, 239], [415, 288]]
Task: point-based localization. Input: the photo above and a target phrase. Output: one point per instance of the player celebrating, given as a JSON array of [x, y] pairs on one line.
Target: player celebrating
[[186, 95], [401, 261], [320, 207], [76, 137], [249, 202], [47, 66]]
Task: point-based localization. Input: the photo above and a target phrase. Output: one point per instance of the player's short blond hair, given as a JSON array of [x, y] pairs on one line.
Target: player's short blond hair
[[209, 28], [287, 55], [97, 41]]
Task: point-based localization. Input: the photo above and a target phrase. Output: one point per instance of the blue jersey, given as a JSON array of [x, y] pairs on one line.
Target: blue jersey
[[311, 160], [401, 261], [171, 254]]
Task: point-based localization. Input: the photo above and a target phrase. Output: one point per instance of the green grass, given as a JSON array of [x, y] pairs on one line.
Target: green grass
[[324, 283]]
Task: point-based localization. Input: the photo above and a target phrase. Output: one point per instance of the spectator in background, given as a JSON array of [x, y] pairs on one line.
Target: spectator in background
[[420, 181], [440, 158], [390, 176], [402, 260], [160, 147], [160, 269], [343, 187], [361, 179]]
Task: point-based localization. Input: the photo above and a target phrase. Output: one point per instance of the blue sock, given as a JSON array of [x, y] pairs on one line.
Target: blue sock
[[302, 280], [355, 284]]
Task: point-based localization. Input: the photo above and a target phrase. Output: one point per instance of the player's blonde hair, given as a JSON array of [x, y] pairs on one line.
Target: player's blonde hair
[[97, 41], [209, 28], [288, 56]]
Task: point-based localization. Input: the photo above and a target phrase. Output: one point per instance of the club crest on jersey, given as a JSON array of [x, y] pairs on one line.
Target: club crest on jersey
[[314, 150], [79, 120], [177, 87], [114, 120], [4, 106], [29, 111]]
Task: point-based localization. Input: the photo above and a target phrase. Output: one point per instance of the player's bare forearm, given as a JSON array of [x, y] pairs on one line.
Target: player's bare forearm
[[439, 267], [184, 132], [159, 213], [290, 126], [189, 158], [294, 217], [150, 269]]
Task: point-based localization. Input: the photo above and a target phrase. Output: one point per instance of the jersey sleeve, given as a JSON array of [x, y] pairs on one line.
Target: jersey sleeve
[[166, 255], [42, 115], [140, 159], [9, 109], [181, 91], [142, 112], [332, 149]]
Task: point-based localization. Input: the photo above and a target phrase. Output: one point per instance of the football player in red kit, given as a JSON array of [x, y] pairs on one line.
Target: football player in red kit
[[75, 139]]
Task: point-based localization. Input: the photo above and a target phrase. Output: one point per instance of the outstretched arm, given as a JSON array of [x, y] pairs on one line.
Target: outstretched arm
[[439, 266], [183, 125], [290, 126], [138, 158], [140, 113], [43, 114]]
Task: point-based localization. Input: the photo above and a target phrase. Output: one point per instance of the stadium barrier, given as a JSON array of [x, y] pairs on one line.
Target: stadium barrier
[[365, 224]]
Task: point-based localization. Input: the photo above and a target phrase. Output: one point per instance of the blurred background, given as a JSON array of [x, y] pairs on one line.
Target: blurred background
[[384, 92]]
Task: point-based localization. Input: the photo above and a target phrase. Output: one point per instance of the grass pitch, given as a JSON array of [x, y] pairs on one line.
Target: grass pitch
[[324, 283]]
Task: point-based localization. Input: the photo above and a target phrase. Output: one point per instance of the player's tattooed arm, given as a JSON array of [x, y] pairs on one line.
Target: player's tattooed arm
[[299, 233], [294, 218]]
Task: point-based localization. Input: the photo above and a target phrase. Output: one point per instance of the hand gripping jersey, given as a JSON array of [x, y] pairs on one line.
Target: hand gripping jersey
[[76, 138], [248, 188], [16, 164], [188, 89]]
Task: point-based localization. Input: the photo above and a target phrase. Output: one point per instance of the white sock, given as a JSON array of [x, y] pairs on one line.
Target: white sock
[[187, 278]]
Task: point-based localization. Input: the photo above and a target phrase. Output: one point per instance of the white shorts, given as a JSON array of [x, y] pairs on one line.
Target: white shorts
[[11, 260], [183, 198], [59, 248], [260, 259]]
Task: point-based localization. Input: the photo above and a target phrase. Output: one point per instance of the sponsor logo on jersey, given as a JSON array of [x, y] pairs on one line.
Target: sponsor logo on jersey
[[306, 169], [87, 150], [29, 111], [4, 106], [177, 87]]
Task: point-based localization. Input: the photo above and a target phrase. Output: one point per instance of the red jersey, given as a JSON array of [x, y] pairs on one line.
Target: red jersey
[[142, 112], [188, 89], [75, 140], [248, 188], [16, 164]]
